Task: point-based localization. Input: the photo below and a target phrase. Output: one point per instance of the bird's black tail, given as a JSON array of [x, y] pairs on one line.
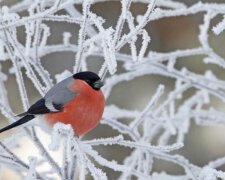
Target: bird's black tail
[[17, 123], [22, 114]]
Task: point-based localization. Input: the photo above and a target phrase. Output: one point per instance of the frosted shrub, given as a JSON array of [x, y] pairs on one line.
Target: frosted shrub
[[159, 120]]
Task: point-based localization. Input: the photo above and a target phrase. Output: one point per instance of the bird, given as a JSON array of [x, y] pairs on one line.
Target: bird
[[77, 100]]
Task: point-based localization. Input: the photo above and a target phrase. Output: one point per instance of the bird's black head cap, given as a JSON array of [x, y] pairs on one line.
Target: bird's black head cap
[[91, 78]]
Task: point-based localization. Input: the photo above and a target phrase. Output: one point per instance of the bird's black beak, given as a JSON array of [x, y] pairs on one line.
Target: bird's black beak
[[97, 84]]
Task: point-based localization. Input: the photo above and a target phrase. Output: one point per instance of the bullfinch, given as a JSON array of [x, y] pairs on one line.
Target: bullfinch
[[77, 100]]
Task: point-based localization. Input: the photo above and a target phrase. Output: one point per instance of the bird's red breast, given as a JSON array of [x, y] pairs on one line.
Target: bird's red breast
[[84, 111]]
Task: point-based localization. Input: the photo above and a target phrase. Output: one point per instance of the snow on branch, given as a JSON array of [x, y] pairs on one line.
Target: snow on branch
[[157, 131]]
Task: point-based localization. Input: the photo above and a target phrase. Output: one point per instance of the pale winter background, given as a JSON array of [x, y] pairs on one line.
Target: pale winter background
[[163, 66]]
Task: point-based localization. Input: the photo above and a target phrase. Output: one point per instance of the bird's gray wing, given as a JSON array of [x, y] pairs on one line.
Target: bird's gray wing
[[54, 99], [56, 102]]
